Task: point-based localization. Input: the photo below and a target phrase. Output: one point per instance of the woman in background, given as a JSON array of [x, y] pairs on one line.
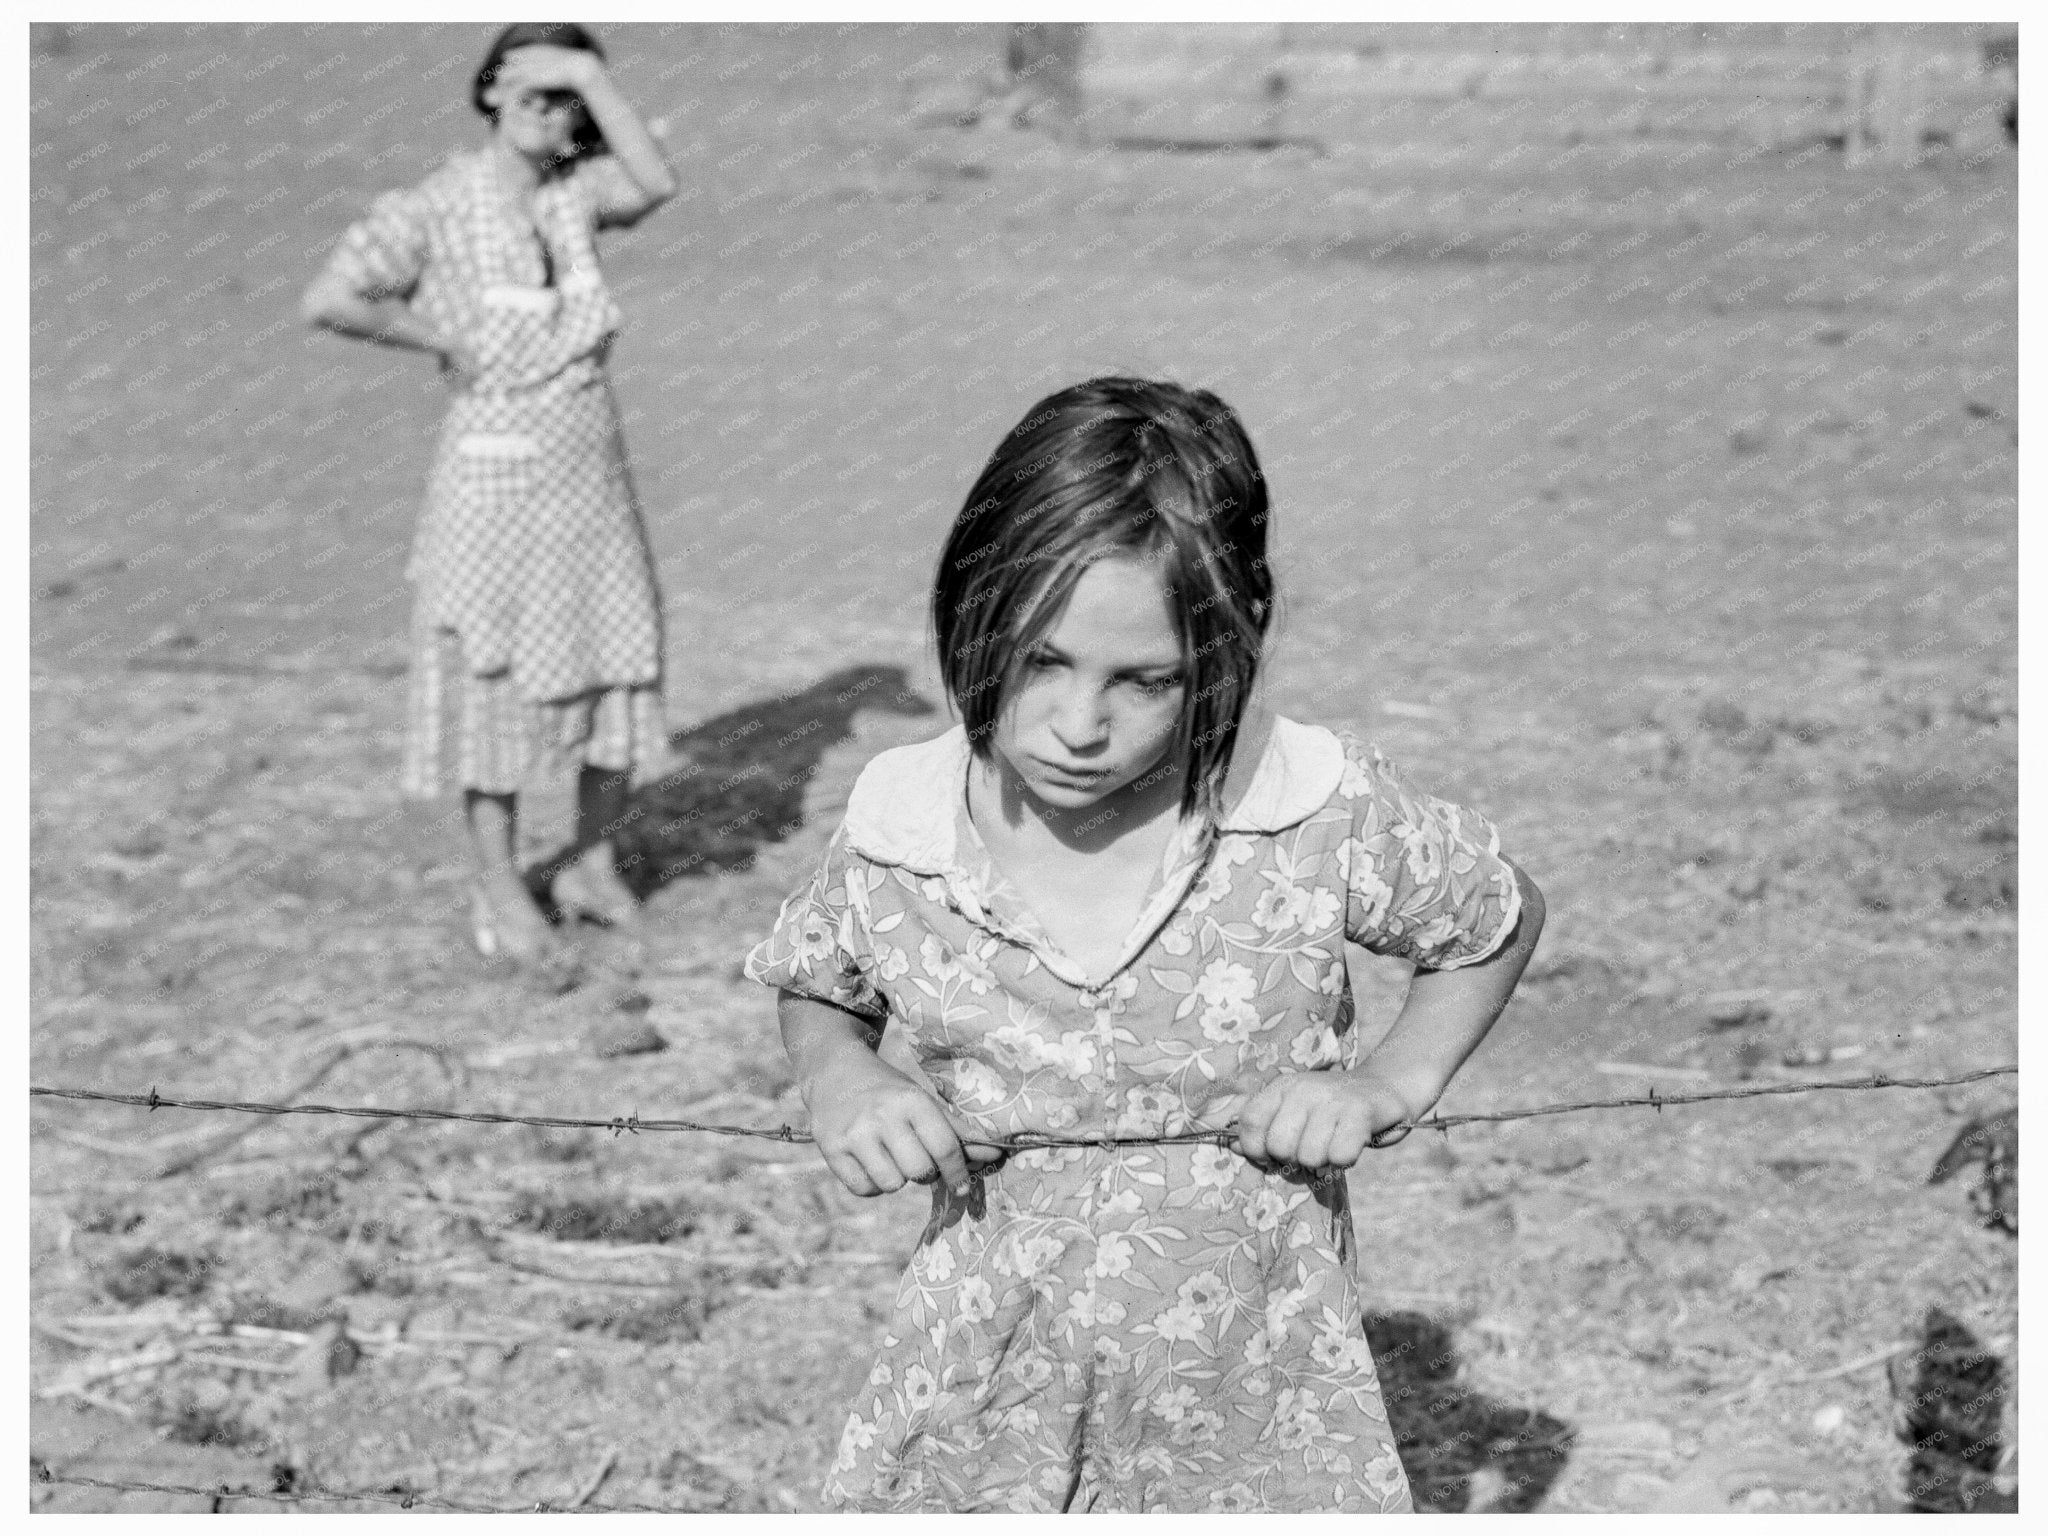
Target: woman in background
[[537, 624]]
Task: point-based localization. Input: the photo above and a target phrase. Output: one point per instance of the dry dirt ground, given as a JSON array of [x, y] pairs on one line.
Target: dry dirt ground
[[1655, 494]]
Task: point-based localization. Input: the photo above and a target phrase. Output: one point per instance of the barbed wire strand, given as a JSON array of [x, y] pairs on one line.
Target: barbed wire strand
[[315, 1493], [633, 1124]]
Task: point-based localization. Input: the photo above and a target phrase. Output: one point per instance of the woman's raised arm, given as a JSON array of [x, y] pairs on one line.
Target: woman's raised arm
[[545, 67]]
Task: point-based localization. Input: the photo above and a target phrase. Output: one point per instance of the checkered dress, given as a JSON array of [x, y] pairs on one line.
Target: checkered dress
[[537, 627]]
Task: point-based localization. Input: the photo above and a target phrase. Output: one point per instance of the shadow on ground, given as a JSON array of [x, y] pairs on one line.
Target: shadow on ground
[[742, 776], [1461, 1449], [1949, 1398]]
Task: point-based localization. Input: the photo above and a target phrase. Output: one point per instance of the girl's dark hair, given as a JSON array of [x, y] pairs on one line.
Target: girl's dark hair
[[525, 34], [1114, 467]]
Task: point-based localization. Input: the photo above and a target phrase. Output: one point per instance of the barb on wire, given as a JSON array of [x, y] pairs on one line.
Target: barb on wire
[[1659, 1100], [1021, 1143], [314, 1493]]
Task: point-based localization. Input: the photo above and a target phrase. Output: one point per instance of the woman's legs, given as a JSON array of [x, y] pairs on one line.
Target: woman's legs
[[593, 884], [511, 916]]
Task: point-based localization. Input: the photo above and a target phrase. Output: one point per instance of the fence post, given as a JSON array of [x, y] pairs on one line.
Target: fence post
[[1884, 105], [1044, 59]]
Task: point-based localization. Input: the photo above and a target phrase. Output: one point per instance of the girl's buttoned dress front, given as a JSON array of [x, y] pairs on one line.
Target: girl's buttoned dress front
[[535, 589], [1144, 1327]]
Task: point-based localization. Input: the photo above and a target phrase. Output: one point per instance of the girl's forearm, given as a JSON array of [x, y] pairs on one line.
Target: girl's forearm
[[1448, 1013], [824, 1043], [626, 136]]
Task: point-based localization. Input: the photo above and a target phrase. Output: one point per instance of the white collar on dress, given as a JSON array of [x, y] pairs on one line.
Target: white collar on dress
[[903, 806]]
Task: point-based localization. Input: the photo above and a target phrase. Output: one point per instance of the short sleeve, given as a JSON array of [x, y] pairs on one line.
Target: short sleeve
[[1425, 879], [821, 945], [386, 250], [605, 191]]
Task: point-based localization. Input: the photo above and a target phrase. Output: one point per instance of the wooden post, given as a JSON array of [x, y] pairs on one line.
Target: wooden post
[[1869, 102], [1909, 114], [1855, 107], [1885, 104], [1045, 71]]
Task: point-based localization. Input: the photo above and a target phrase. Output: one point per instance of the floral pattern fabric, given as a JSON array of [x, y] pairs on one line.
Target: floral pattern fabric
[[1147, 1327]]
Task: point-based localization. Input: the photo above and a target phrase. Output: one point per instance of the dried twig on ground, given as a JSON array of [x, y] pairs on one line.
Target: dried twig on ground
[[213, 1145], [1846, 1368], [596, 1481], [107, 1370]]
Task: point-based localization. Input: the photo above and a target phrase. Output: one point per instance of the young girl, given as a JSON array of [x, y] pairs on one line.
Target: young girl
[[1113, 904], [536, 604]]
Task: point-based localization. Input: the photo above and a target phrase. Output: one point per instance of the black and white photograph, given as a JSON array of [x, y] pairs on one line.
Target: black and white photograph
[[1179, 763]]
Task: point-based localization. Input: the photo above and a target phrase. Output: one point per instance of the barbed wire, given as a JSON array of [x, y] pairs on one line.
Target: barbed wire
[[315, 1493], [306, 1492], [633, 1124]]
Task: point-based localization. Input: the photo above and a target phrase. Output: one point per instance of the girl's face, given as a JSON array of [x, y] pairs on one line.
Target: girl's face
[[539, 124], [1096, 704]]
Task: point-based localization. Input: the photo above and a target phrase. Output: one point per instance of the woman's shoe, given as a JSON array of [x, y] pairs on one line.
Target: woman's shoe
[[535, 951], [579, 890], [481, 929]]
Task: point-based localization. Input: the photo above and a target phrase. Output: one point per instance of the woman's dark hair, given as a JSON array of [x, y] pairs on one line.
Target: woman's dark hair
[[525, 34], [1114, 467]]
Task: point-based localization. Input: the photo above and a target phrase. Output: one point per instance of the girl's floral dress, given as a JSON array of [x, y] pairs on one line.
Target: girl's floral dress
[[1145, 1327]]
